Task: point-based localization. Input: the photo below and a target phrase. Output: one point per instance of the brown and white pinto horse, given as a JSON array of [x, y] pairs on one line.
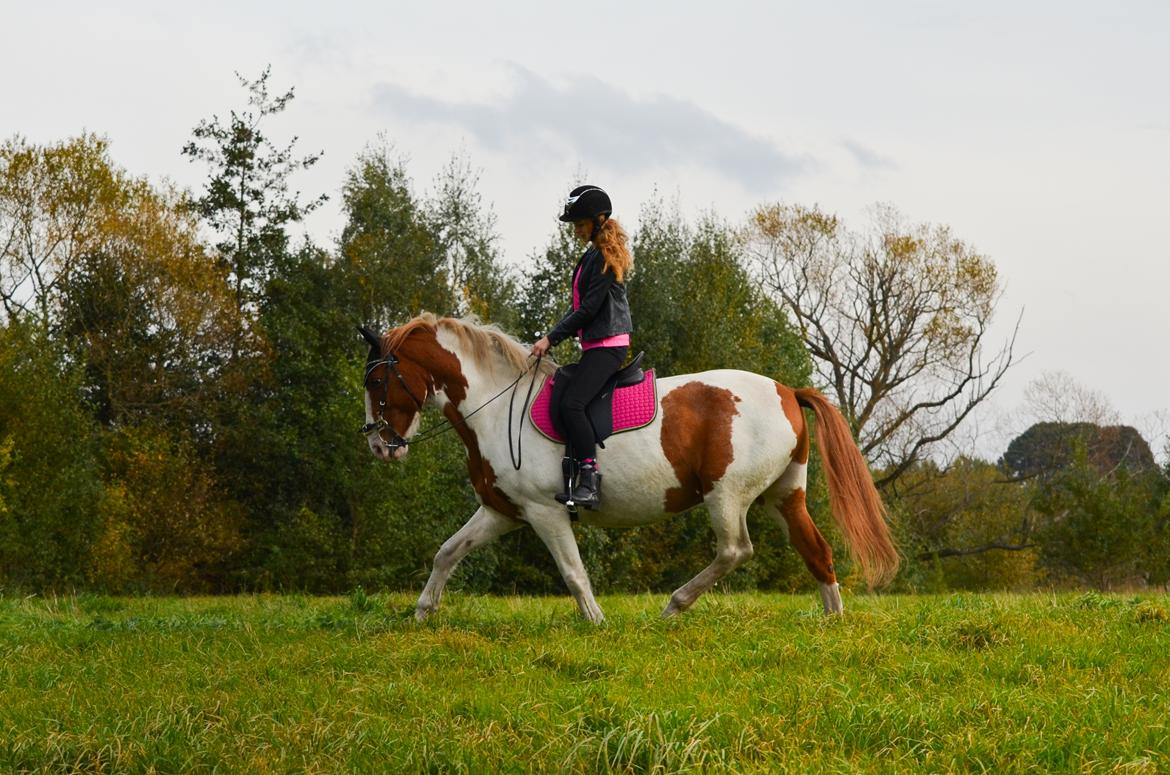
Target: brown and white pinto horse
[[723, 438]]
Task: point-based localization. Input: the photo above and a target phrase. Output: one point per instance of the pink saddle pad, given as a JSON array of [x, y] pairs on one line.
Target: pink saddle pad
[[633, 407]]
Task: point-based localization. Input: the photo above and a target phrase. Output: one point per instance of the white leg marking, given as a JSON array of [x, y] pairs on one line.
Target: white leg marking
[[484, 527], [831, 598]]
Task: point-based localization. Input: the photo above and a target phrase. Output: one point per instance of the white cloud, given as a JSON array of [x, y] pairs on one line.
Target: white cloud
[[590, 118]]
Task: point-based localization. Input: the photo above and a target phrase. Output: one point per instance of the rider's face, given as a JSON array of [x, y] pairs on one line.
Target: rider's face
[[583, 229]]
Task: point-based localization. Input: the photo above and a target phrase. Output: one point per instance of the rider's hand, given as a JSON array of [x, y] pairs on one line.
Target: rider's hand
[[541, 347]]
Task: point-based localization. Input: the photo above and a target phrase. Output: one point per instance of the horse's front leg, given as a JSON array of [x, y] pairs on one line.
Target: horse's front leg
[[554, 528], [484, 527]]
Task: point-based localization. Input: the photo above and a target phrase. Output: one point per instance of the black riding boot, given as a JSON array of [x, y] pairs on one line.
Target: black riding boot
[[587, 493]]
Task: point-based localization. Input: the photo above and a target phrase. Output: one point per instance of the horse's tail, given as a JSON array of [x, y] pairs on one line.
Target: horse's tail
[[857, 507]]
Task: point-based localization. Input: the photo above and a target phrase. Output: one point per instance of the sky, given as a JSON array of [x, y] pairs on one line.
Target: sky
[[1039, 132]]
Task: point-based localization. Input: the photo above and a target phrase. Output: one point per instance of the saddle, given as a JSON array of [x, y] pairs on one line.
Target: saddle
[[628, 400]]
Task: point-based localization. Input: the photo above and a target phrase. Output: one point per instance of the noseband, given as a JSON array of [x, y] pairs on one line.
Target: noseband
[[379, 424]]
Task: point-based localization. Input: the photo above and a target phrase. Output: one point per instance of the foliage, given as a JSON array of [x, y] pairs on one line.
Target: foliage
[[1047, 447], [246, 199], [1106, 530], [465, 235], [166, 526], [387, 251], [964, 527], [49, 465], [148, 313], [894, 319], [55, 202]]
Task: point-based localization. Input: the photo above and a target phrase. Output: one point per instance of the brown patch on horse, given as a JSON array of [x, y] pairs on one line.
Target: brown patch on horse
[[696, 439], [425, 362], [483, 476], [796, 419], [808, 541]]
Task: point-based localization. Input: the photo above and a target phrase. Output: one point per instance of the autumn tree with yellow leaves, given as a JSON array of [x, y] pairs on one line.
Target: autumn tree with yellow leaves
[[896, 320]]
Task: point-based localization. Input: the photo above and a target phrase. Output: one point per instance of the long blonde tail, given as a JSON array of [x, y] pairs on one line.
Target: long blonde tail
[[857, 507]]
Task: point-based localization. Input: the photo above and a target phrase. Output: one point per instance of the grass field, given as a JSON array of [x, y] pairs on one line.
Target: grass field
[[745, 682]]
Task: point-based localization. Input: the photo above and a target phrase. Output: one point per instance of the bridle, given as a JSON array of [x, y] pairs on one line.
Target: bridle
[[379, 424]]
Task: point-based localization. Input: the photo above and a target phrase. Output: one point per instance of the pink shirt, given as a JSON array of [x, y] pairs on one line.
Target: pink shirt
[[617, 340]]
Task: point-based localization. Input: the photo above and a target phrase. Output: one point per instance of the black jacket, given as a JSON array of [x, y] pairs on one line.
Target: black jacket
[[604, 310]]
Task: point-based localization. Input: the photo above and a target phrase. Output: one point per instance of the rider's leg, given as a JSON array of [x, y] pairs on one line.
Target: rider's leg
[[597, 365]]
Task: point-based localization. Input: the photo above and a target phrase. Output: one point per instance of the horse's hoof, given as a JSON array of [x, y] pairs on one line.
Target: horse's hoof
[[421, 614]]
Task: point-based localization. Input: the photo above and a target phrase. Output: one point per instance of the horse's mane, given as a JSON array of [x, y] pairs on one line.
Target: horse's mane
[[484, 342]]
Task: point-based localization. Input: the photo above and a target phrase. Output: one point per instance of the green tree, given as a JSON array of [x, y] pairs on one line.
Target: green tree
[[1048, 447], [465, 234], [49, 465], [149, 312], [1108, 529], [387, 250], [964, 527], [246, 200]]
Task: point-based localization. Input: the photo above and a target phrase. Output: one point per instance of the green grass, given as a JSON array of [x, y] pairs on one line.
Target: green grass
[[753, 683]]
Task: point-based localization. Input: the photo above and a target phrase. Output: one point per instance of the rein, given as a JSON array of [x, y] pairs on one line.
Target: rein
[[380, 423]]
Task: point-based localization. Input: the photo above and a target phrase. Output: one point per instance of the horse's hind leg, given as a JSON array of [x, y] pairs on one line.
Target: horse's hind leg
[[484, 526], [786, 502], [733, 548]]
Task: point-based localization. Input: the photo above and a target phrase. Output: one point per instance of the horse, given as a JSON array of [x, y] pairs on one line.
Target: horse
[[723, 438]]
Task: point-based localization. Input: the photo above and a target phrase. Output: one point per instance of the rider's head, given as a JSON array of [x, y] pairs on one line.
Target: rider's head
[[587, 205], [589, 209]]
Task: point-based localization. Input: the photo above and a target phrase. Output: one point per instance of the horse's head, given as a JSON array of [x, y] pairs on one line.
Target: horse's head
[[395, 390]]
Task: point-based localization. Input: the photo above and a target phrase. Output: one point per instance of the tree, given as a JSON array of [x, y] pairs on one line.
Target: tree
[[246, 200], [1107, 529], [895, 320], [54, 203], [148, 312], [1046, 448], [387, 251], [466, 238], [964, 527], [1055, 397], [50, 474]]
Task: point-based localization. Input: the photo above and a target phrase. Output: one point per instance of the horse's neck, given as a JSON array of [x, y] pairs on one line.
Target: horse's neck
[[483, 383]]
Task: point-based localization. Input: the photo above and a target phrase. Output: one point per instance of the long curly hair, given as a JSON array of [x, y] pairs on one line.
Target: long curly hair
[[614, 244]]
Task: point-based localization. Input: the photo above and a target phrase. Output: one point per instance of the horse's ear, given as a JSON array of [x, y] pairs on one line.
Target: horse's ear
[[370, 337]]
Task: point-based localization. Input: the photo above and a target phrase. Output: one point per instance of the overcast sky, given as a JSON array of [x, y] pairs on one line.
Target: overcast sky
[[1040, 132]]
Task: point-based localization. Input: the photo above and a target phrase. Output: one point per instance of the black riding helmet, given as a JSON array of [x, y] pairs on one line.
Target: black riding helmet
[[586, 203]]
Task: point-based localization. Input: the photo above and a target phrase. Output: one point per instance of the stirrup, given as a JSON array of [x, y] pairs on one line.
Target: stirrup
[[568, 475]]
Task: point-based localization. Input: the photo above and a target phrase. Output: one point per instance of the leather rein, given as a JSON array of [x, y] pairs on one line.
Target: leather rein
[[379, 424]]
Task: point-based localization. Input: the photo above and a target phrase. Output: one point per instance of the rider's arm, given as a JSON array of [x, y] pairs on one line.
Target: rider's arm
[[591, 301]]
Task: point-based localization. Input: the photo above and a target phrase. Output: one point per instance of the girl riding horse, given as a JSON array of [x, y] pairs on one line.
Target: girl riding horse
[[600, 318]]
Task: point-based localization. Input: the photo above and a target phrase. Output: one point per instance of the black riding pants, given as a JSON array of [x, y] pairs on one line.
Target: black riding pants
[[596, 366]]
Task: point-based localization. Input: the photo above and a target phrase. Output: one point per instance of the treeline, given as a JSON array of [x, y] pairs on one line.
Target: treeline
[[180, 388]]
